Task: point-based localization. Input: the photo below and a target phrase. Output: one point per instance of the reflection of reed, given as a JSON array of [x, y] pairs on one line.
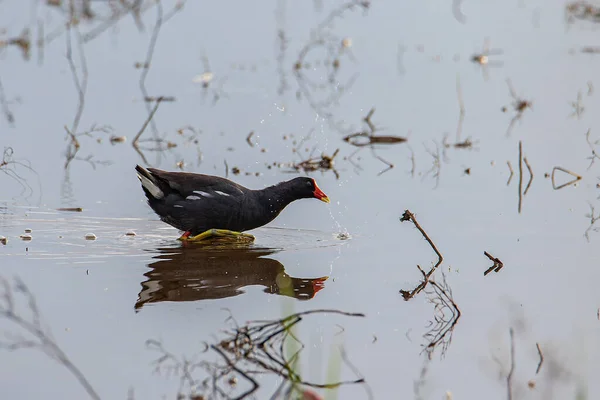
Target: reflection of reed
[[191, 274]]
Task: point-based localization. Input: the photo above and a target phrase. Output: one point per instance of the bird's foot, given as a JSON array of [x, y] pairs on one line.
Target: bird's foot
[[218, 234]]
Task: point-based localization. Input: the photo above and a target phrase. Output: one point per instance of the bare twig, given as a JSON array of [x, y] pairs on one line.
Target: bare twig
[[520, 175], [498, 265], [576, 179], [511, 173], [409, 216], [537, 371], [530, 176]]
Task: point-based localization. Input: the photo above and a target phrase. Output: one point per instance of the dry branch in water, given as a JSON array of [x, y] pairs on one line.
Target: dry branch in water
[[408, 216], [498, 265], [37, 335], [576, 179], [537, 371]]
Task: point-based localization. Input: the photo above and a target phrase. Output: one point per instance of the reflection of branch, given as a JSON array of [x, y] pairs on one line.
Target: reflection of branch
[[340, 11], [461, 105], [251, 350], [436, 166], [443, 324], [592, 146], [512, 364], [519, 105], [593, 219], [408, 216], [4, 104], [148, 62], [80, 83], [6, 166], [42, 338]]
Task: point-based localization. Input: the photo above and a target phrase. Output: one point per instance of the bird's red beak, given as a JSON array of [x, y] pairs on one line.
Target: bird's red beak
[[318, 193]]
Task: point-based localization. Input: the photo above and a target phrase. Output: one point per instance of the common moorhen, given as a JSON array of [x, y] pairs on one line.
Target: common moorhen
[[205, 206]]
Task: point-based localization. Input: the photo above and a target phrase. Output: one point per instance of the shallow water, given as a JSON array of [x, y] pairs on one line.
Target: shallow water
[[103, 299]]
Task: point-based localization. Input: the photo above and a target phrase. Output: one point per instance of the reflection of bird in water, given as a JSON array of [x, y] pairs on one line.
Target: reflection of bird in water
[[191, 274]]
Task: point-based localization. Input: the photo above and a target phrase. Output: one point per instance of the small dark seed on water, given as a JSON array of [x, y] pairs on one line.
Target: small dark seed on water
[[27, 230], [90, 236], [3, 240], [72, 209], [26, 237]]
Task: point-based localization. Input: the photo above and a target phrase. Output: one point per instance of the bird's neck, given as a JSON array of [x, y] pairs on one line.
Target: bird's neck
[[275, 198]]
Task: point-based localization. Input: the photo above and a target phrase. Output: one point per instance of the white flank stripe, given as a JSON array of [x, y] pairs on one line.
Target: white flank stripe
[[193, 198], [177, 206], [221, 193], [201, 193]]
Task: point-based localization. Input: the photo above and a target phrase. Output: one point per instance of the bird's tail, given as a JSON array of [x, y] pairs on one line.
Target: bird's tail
[[149, 183]]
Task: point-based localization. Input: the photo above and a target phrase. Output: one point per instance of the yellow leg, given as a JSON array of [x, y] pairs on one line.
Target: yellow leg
[[218, 234]]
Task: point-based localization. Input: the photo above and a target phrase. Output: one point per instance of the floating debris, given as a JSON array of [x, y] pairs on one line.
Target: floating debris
[[204, 78], [90, 236], [3, 240], [117, 139], [323, 163], [343, 236], [71, 209], [130, 233], [25, 237], [582, 11]]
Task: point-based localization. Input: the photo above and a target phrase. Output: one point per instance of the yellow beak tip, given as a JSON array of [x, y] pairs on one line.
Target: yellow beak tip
[[325, 199]]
